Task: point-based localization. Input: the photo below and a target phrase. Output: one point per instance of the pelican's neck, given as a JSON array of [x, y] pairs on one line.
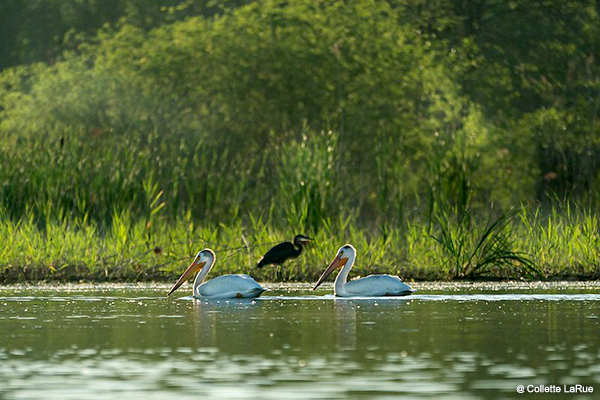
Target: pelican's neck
[[203, 272], [342, 277]]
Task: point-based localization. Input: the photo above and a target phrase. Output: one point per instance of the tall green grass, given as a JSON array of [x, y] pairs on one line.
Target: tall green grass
[[565, 242], [93, 177], [98, 206], [521, 245]]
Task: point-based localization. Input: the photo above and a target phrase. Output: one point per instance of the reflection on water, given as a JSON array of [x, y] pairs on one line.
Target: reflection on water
[[475, 342], [345, 320]]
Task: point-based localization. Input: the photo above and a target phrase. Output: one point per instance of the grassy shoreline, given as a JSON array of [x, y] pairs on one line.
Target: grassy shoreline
[[558, 246]]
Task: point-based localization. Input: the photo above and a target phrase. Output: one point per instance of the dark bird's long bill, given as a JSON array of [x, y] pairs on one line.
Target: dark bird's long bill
[[335, 264], [194, 266]]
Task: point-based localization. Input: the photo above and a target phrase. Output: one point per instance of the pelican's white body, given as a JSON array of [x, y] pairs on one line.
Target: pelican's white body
[[370, 286], [221, 287], [227, 287]]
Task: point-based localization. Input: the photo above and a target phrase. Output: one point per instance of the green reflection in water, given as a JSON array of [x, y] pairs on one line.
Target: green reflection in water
[[461, 341]]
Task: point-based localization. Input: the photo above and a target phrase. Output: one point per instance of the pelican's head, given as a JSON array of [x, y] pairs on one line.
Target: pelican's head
[[206, 256], [302, 239], [345, 252]]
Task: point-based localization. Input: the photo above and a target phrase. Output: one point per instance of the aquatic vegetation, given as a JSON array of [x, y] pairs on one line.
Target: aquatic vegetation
[[510, 246], [566, 242], [99, 211], [475, 249]]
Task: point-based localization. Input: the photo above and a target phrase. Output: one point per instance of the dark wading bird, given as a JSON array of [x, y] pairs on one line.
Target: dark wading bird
[[283, 252]]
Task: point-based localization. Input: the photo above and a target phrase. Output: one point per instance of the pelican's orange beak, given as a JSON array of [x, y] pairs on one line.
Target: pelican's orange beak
[[338, 262], [194, 266]]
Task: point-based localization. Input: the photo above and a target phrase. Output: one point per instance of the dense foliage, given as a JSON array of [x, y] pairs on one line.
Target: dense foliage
[[299, 113]]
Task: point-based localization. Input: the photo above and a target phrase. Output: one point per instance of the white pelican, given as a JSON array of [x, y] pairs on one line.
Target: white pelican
[[370, 286], [221, 287]]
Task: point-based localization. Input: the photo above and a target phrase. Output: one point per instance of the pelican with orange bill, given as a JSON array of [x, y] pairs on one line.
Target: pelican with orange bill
[[370, 286], [221, 287]]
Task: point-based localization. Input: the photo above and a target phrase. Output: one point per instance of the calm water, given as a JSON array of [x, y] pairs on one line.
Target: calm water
[[446, 341]]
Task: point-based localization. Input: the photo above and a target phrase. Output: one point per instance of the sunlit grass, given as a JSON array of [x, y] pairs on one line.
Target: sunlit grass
[[560, 245], [97, 210], [564, 243]]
